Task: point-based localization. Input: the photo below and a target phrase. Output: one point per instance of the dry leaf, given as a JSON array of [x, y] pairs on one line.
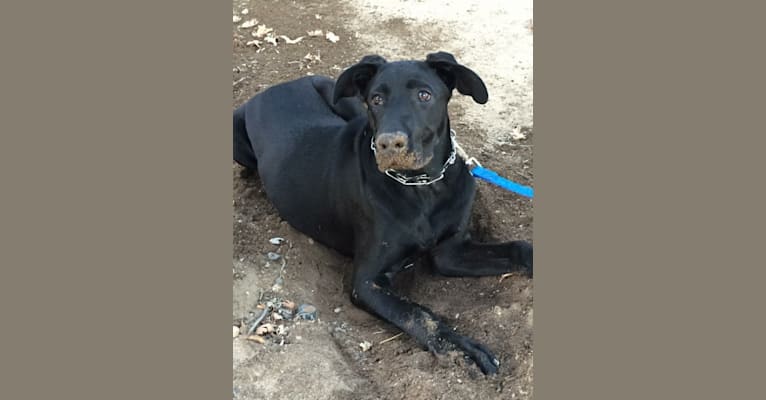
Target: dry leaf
[[271, 39], [312, 57], [332, 37], [291, 41], [249, 23], [517, 135], [261, 31], [256, 43], [235, 331], [244, 11]]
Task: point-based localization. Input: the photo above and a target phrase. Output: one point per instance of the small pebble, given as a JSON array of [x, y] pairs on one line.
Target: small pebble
[[337, 310], [264, 329], [273, 256], [332, 37], [244, 11], [307, 312], [365, 345], [235, 331], [277, 240]]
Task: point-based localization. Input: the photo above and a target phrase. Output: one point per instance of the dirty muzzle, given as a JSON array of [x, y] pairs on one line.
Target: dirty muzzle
[[393, 151]]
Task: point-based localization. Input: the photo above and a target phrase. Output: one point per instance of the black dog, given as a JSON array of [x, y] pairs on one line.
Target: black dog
[[381, 185]]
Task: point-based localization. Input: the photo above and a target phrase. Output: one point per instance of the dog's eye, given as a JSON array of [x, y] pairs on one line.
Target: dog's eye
[[377, 100], [423, 95]]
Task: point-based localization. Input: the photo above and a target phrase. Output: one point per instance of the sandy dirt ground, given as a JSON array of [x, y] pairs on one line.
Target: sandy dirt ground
[[323, 359]]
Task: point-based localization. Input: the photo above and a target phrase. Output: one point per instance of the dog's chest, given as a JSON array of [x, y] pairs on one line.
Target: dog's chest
[[422, 231], [420, 217], [425, 227]]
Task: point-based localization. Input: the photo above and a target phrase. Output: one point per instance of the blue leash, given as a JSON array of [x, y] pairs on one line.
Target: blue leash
[[488, 175], [495, 179]]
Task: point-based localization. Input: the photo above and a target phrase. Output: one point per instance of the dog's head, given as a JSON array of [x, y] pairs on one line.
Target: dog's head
[[407, 104]]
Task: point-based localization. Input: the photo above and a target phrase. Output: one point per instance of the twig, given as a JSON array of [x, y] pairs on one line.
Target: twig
[[506, 275], [258, 321], [239, 80], [391, 338]]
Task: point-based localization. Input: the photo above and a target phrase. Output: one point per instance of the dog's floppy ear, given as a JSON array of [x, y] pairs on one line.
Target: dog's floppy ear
[[354, 80], [455, 75]]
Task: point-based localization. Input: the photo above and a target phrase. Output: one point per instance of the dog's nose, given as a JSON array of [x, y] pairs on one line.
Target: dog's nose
[[391, 142]]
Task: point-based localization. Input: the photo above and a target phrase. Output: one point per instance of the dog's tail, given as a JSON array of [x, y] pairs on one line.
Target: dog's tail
[[243, 149]]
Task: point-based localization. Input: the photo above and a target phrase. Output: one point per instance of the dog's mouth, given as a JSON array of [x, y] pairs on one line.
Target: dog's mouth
[[402, 162]]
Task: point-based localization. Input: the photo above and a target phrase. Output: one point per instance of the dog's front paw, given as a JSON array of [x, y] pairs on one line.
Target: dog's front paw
[[480, 354]]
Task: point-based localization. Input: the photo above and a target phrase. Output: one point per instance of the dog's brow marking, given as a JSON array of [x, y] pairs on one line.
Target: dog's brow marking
[[382, 88], [413, 83]]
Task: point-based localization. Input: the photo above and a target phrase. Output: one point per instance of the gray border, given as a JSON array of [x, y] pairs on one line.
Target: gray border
[[116, 220], [645, 200], [115, 160]]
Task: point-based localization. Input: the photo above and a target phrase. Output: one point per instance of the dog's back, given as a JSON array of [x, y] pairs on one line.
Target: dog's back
[[293, 130]]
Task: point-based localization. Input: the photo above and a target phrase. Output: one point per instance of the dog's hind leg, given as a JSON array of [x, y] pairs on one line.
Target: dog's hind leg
[[460, 257], [243, 149]]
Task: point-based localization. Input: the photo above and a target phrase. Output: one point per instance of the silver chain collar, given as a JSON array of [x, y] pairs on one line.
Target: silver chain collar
[[422, 179]]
